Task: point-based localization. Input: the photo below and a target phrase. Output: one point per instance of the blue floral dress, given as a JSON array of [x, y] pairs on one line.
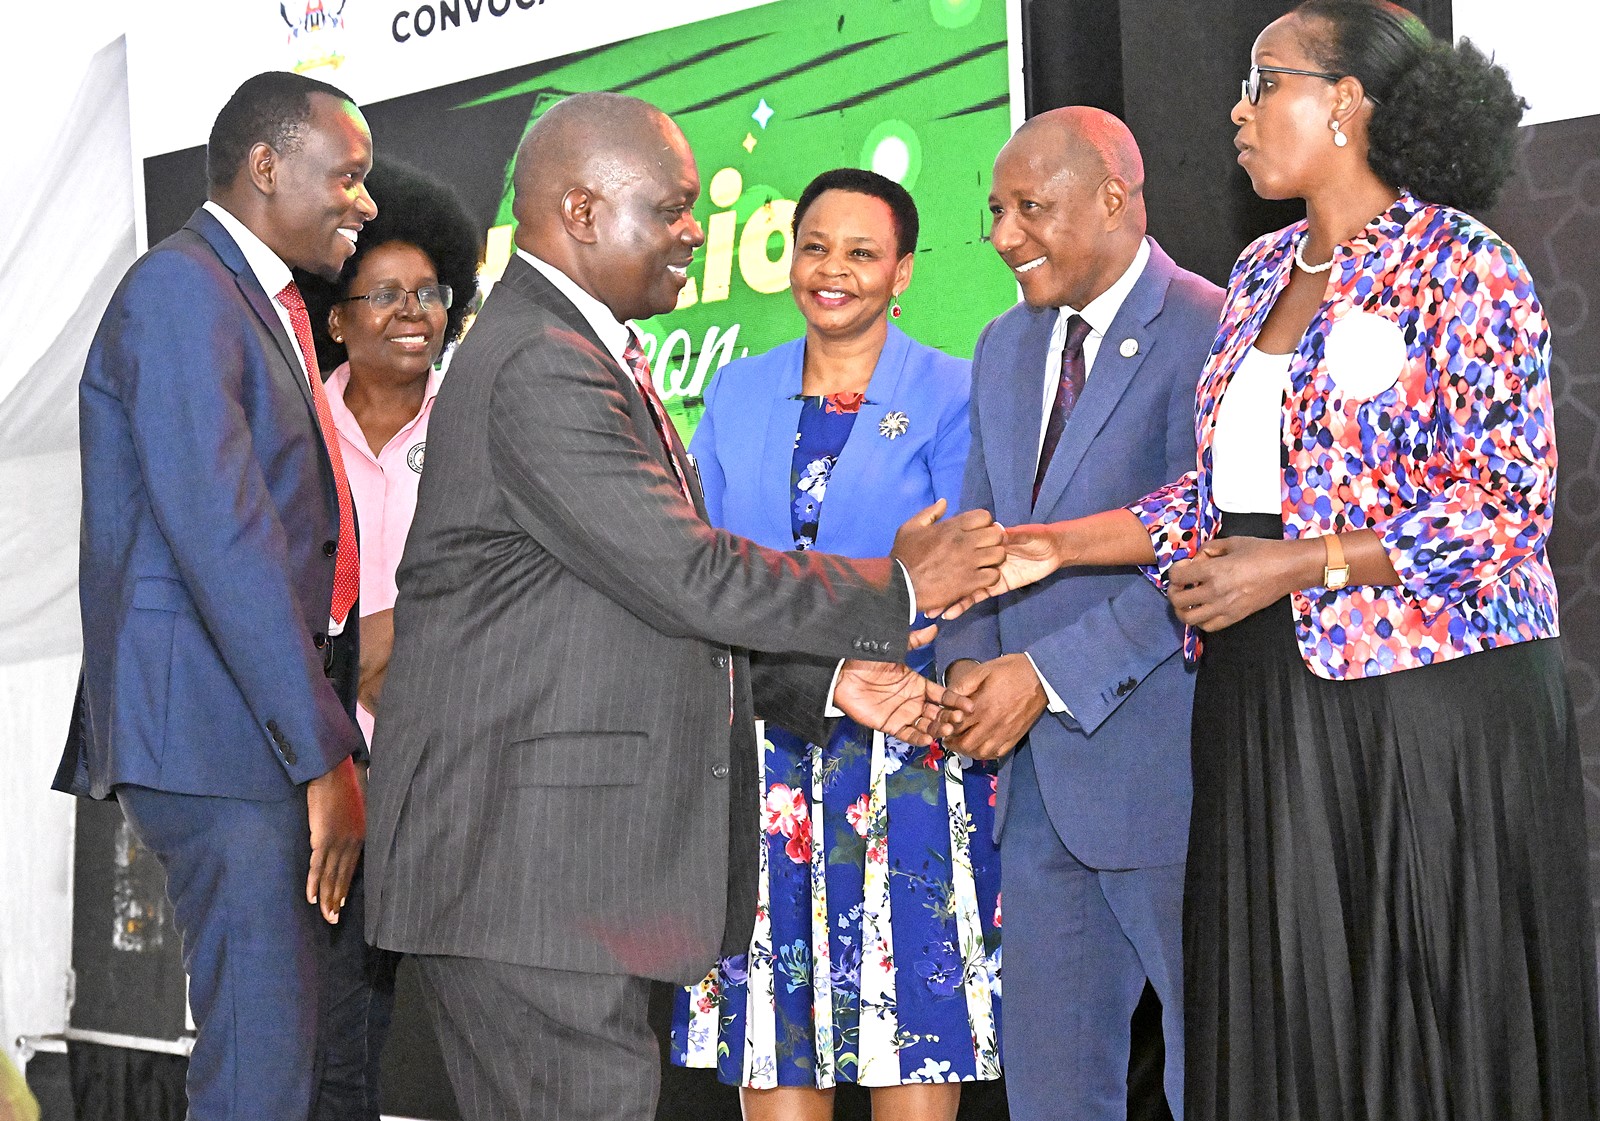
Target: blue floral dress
[[876, 953]]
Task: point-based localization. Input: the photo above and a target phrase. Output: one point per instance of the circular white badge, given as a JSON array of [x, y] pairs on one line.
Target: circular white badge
[[1364, 354]]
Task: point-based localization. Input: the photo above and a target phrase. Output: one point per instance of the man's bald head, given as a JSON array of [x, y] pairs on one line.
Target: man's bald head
[[604, 187], [1068, 205], [587, 140], [1090, 145]]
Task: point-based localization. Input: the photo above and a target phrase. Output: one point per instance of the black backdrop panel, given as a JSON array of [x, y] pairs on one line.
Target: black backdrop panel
[[125, 952], [1551, 212]]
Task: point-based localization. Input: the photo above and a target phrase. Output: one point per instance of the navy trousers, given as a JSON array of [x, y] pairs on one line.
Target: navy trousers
[[1080, 944], [290, 1012]]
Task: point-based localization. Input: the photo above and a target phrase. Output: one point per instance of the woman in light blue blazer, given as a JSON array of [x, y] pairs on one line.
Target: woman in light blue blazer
[[876, 954]]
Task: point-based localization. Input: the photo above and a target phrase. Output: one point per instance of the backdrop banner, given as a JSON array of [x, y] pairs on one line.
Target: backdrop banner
[[924, 92]]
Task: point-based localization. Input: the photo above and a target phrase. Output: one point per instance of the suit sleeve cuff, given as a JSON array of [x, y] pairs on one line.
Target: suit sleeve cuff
[[831, 710], [1053, 701], [911, 590]]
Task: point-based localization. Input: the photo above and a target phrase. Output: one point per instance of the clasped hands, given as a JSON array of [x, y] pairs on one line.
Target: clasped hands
[[953, 563]]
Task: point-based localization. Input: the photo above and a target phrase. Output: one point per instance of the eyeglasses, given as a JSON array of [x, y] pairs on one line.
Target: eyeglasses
[[1250, 88], [429, 297]]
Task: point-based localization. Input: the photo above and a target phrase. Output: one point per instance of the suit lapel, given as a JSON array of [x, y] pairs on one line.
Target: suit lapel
[[687, 465], [674, 458], [867, 451], [227, 250], [522, 277], [1114, 370], [773, 482], [1011, 437]]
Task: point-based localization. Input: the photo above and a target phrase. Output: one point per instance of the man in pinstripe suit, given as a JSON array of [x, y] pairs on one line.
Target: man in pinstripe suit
[[565, 747]]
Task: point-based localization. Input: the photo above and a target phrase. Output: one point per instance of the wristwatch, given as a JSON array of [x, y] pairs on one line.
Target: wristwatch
[[1335, 571]]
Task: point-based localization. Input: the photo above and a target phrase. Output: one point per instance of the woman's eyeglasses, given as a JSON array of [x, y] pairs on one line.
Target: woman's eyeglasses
[[429, 296], [1250, 88]]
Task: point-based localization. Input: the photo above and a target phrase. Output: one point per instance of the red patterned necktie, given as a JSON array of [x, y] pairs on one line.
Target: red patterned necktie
[[1068, 389], [639, 366], [347, 563]]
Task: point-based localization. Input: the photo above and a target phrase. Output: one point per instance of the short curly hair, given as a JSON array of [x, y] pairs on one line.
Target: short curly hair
[[870, 183], [272, 108], [1445, 119], [418, 210]]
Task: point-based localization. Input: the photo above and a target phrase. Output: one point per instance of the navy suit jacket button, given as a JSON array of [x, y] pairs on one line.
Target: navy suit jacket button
[[272, 726], [1126, 687], [719, 770], [329, 548], [319, 640]]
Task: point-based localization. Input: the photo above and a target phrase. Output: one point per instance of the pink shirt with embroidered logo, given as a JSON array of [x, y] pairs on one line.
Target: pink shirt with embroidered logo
[[383, 485]]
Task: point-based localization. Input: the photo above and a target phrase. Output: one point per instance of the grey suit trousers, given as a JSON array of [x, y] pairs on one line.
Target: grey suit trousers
[[528, 1044]]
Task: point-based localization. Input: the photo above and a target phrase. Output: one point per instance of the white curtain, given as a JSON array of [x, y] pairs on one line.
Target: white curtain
[[66, 236]]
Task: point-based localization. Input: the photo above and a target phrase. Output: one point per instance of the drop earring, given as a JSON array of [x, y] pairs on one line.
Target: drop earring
[[1339, 138], [894, 307]]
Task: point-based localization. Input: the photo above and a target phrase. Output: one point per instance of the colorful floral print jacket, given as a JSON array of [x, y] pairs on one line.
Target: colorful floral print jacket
[[1419, 406]]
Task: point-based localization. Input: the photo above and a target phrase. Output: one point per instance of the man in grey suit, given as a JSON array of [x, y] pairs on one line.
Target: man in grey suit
[[1082, 400], [563, 792]]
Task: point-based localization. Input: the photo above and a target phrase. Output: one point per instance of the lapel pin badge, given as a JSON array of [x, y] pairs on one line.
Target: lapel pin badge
[[1129, 348], [894, 425]]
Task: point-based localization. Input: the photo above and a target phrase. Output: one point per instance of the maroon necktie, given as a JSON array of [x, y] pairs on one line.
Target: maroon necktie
[[639, 366], [347, 562], [1068, 389]]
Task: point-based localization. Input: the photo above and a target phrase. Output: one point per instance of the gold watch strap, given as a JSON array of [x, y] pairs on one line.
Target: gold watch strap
[[1335, 572]]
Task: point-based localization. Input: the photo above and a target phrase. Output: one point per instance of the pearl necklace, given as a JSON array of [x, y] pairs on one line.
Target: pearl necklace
[[1300, 260]]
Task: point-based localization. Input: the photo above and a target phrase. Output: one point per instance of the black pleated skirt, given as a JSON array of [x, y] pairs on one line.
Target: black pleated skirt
[[1387, 912]]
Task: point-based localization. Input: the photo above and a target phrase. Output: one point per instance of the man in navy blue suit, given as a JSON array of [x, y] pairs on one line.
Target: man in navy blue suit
[[218, 552], [1082, 399]]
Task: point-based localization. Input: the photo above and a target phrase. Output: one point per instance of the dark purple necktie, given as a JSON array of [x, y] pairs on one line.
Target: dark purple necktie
[[1073, 373]]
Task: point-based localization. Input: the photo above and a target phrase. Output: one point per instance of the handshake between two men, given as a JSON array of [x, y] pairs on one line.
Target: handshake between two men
[[952, 563]]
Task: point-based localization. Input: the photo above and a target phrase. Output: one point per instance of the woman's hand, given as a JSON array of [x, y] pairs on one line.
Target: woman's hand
[[377, 643], [1234, 577], [1113, 538], [1031, 555]]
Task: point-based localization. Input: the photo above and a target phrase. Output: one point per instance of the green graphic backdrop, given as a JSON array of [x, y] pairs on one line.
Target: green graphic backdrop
[[769, 97]]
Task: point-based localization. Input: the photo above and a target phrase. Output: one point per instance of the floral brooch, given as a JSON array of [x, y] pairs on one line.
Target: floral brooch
[[894, 425]]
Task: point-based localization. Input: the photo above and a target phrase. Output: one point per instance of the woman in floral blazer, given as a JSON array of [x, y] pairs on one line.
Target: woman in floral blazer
[[1385, 910], [1417, 407]]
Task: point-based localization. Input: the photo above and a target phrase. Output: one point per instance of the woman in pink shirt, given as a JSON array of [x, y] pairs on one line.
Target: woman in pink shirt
[[402, 298]]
